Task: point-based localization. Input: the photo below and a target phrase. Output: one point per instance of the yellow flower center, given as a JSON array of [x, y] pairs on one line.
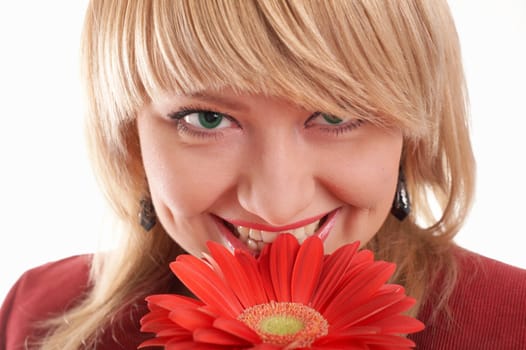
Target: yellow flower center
[[290, 325], [281, 325]]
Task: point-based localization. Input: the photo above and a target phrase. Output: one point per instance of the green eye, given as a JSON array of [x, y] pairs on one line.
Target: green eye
[[331, 119], [329, 123], [205, 120], [209, 120]]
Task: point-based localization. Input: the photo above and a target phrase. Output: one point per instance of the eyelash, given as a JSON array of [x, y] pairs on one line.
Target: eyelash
[[183, 127], [336, 130]]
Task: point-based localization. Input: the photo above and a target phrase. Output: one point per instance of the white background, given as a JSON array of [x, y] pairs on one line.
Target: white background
[[50, 206]]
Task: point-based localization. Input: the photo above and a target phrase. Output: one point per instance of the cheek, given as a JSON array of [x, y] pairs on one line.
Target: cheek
[[187, 180], [366, 175]]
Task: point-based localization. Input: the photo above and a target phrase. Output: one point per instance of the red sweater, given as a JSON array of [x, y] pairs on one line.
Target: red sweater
[[488, 307]]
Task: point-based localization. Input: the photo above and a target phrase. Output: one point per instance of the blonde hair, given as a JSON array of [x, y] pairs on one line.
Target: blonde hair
[[393, 63]]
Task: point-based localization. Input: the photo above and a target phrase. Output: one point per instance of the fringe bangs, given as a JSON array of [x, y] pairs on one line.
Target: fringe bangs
[[342, 57]]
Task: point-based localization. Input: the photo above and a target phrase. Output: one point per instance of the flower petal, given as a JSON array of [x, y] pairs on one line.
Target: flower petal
[[155, 321], [398, 324], [237, 328], [175, 333], [235, 275], [366, 342], [362, 314], [266, 347], [307, 269], [218, 337], [335, 267], [160, 341], [191, 345], [155, 315], [264, 272], [172, 301], [157, 327], [391, 310], [199, 278], [282, 256], [387, 340], [360, 288], [191, 318], [250, 265]]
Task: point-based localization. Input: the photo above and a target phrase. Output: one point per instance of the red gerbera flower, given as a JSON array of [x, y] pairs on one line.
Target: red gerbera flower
[[291, 297]]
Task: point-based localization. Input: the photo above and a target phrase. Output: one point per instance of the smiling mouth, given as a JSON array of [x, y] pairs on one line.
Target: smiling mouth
[[256, 239]]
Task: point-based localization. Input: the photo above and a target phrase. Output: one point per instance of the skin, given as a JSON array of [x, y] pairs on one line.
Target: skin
[[270, 162]]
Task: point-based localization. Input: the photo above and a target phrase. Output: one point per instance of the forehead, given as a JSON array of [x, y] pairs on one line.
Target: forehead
[[249, 46]]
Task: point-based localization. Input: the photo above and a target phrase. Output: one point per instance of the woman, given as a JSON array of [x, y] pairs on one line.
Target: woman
[[238, 120]]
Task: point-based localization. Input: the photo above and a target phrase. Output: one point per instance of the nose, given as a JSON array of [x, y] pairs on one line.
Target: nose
[[278, 183]]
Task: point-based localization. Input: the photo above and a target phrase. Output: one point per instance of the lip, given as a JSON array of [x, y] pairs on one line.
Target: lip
[[268, 228], [230, 239], [322, 232], [327, 226]]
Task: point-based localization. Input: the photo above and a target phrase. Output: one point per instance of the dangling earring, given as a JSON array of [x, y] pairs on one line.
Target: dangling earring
[[401, 204], [147, 216]]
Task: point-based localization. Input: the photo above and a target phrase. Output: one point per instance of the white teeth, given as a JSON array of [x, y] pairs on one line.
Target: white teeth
[[268, 237], [311, 228], [253, 245], [299, 232], [243, 231], [256, 239], [254, 234]]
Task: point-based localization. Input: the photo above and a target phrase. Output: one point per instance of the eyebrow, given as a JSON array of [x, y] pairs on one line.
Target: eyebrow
[[222, 101]]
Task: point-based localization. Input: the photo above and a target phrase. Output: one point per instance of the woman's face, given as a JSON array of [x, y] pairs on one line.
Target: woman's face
[[241, 169]]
